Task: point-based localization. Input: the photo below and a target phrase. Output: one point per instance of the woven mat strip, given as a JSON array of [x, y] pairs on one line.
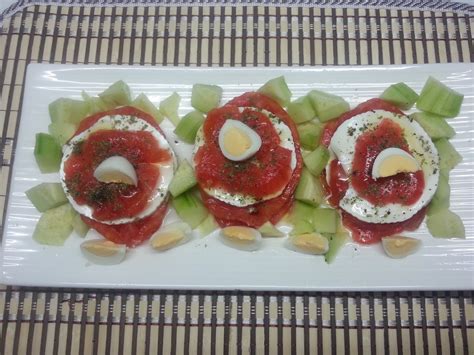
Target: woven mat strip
[[46, 321]]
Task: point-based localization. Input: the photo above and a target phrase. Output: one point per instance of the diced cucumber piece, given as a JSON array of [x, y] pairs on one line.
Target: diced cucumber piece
[[117, 94], [437, 98], [309, 189], [190, 208], [188, 126], [316, 160], [96, 104], [183, 179], [325, 220], [79, 226], [169, 107], [143, 103], [205, 97], [278, 90], [445, 224], [401, 95], [68, 110], [47, 153], [46, 195], [327, 106], [207, 226], [269, 230], [310, 134], [336, 242], [440, 200], [301, 211], [54, 225], [302, 227], [62, 131], [448, 156], [435, 126], [301, 110]]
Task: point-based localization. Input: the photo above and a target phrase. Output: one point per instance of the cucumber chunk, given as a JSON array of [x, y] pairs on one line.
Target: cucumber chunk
[[310, 133], [301, 110], [117, 94], [435, 126], [79, 226], [336, 242], [401, 95], [437, 98], [62, 131], [448, 156], [47, 153], [190, 208], [188, 126], [278, 90], [302, 227], [46, 195], [301, 212], [269, 230], [54, 225], [316, 160], [309, 189], [169, 107], [327, 106], [445, 224], [96, 104], [205, 97], [68, 110], [440, 200], [325, 220], [143, 103], [207, 226], [183, 179]]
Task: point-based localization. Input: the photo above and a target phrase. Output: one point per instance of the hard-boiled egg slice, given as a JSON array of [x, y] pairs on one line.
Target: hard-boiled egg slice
[[103, 252], [398, 247], [243, 238], [238, 141], [308, 243], [392, 161], [171, 236], [116, 169]]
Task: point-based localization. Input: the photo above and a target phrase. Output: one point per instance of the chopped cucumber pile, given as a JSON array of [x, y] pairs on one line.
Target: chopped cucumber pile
[[269, 230], [207, 226], [190, 208], [435, 126], [79, 226], [169, 108], [448, 156], [278, 90], [336, 242], [205, 97], [445, 224], [309, 189], [54, 225], [301, 110], [440, 200], [400, 95], [316, 160], [325, 220], [327, 106], [68, 110], [310, 133], [117, 94]]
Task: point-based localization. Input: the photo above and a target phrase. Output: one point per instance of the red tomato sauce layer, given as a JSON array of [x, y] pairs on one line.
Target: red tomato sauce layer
[[270, 210], [131, 234], [369, 105], [267, 172], [403, 188], [113, 200]]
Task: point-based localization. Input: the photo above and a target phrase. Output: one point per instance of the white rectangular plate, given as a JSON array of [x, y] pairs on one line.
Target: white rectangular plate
[[204, 263]]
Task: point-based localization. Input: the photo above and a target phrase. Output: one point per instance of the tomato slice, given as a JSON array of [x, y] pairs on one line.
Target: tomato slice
[[131, 234], [270, 210]]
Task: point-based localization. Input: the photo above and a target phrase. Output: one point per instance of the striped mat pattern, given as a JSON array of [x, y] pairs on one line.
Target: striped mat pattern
[[65, 321]]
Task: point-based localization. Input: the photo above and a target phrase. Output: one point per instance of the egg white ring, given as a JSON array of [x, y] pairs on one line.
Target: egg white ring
[[421, 147], [130, 124], [286, 141]]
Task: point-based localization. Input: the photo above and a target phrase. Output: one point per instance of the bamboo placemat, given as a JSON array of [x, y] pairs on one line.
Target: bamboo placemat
[[63, 321]]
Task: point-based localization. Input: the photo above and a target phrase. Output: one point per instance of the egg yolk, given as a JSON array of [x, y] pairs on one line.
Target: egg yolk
[[102, 248], [236, 142], [167, 240], [238, 234], [397, 164]]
